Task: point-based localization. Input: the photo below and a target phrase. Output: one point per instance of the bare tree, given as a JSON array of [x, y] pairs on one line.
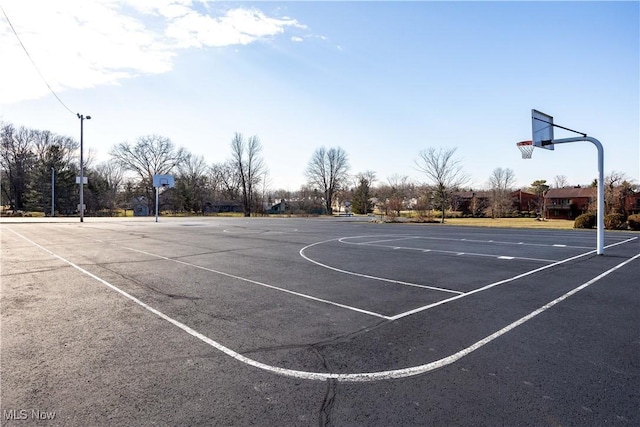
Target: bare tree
[[27, 157], [369, 175], [501, 183], [308, 200], [191, 184], [67, 147], [399, 189], [60, 153], [444, 172], [250, 167], [150, 155], [328, 171], [560, 181], [616, 185], [17, 160], [110, 175], [224, 181], [424, 203]]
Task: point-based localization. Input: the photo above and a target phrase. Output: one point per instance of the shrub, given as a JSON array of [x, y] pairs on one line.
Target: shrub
[[614, 221], [586, 220], [634, 222]]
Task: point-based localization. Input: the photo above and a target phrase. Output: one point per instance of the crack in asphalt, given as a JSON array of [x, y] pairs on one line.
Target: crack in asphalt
[[328, 403], [145, 285], [330, 394], [320, 344], [331, 391], [41, 270]]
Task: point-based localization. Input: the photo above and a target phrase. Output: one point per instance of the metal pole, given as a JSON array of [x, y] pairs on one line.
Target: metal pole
[[81, 169], [53, 192], [81, 117], [157, 191], [600, 214]]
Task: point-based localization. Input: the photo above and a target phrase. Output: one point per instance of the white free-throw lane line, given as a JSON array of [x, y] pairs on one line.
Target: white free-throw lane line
[[449, 239], [367, 276], [323, 376], [441, 251], [255, 282], [501, 282], [382, 241], [376, 243]]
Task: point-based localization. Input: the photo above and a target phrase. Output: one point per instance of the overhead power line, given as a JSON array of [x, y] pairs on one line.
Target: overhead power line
[[33, 62]]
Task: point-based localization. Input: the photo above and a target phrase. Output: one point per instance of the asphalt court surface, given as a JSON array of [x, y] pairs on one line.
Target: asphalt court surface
[[322, 315]]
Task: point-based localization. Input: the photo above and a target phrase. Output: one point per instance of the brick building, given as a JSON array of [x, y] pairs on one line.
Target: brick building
[[568, 202]]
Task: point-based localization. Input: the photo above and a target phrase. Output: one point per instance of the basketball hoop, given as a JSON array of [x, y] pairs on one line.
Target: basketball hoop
[[526, 148]]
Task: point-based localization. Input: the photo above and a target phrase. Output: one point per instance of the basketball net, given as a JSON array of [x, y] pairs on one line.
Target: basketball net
[[526, 148]]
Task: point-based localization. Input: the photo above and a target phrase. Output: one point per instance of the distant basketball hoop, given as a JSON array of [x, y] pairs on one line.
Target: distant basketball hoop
[[164, 181], [526, 148]]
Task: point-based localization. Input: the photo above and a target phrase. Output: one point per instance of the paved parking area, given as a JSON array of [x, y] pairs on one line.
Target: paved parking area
[[233, 321]]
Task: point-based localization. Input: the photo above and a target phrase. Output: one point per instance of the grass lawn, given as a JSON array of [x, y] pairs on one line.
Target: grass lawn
[[550, 224], [555, 224]]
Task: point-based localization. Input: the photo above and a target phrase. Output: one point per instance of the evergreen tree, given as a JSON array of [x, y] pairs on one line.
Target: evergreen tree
[[361, 203]]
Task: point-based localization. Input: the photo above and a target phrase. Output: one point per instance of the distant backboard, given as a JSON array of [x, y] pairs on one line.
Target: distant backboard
[[163, 181], [541, 130]]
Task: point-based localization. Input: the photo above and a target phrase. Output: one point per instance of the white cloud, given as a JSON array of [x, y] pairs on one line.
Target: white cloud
[[83, 43], [237, 26], [297, 39]]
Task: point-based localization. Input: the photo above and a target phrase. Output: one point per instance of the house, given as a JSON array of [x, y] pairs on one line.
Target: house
[[524, 201], [478, 203], [568, 202], [279, 208], [632, 204], [140, 206], [470, 202]]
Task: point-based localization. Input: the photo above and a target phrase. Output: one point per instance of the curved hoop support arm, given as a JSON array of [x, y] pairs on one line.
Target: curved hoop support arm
[[600, 215]]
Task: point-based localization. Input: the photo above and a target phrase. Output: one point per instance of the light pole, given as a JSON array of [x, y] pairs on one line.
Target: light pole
[[53, 192], [81, 117]]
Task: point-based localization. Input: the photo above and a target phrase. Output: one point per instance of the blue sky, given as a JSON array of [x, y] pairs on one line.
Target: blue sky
[[382, 80]]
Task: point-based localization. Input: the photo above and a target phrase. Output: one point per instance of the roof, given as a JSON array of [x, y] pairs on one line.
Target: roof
[[487, 193], [522, 192], [471, 194], [570, 192]]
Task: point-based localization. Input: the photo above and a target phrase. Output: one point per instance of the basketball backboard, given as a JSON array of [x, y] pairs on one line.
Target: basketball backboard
[[542, 130], [163, 181]]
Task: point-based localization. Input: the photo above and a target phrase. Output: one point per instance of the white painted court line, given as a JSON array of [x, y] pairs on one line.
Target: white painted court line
[[355, 377], [255, 282], [501, 282], [367, 276], [376, 243], [457, 253], [306, 296], [222, 273], [386, 240], [345, 240]]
